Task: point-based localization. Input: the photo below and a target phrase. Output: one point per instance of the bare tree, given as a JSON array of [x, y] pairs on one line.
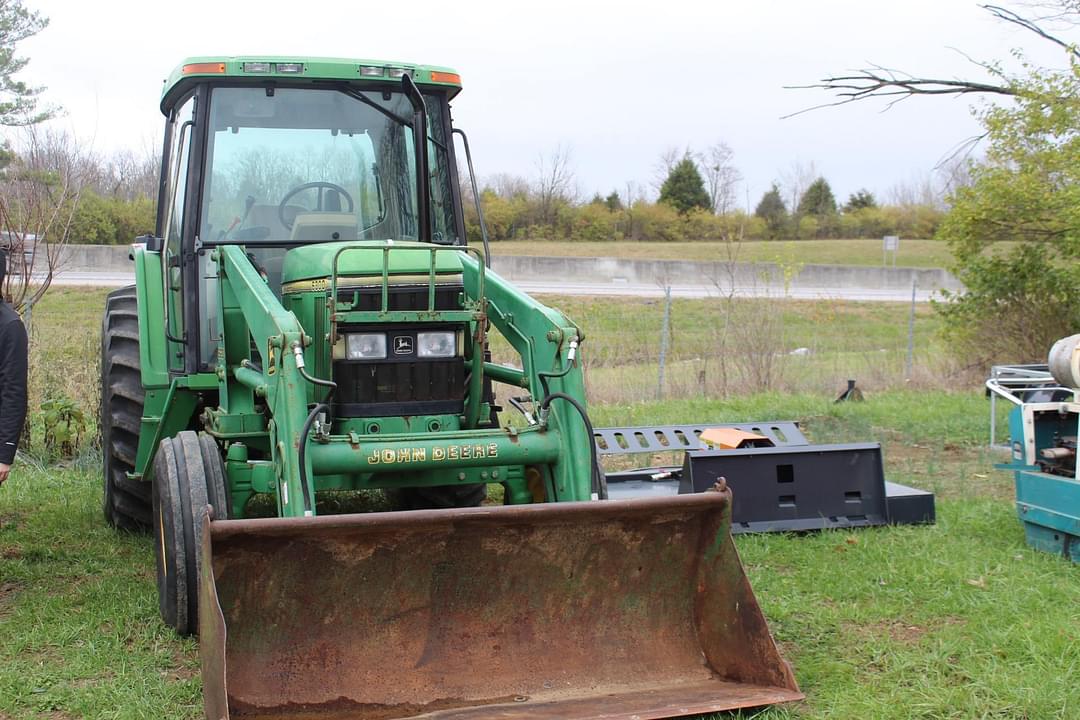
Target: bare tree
[[555, 182], [893, 85], [721, 176], [796, 179], [954, 173], [669, 158], [919, 190], [39, 192], [508, 186], [130, 174]]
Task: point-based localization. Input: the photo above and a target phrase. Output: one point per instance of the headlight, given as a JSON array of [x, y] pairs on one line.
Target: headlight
[[436, 344], [365, 346]]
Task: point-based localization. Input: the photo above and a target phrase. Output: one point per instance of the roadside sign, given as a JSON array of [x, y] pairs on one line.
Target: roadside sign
[[889, 243]]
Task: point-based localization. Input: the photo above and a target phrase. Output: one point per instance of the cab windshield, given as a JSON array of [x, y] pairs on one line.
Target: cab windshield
[[294, 166]]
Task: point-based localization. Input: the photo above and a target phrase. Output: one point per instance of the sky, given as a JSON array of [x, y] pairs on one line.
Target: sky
[[613, 83]]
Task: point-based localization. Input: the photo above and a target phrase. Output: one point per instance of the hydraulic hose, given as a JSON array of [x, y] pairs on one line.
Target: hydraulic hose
[[598, 477], [324, 406], [319, 381], [308, 505], [570, 359]]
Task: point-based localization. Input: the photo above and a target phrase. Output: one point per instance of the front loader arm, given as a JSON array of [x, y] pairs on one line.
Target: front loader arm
[[543, 338], [276, 333]]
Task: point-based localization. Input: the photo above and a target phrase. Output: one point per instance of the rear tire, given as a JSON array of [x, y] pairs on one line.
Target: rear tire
[[125, 502], [441, 497], [189, 477]]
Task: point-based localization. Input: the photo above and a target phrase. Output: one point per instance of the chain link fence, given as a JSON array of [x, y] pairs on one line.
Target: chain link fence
[[645, 349]]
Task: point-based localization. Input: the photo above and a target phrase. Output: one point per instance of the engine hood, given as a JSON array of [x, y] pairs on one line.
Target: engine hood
[[360, 259]]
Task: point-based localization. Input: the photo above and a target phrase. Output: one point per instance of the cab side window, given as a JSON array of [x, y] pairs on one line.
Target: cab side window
[[179, 153]]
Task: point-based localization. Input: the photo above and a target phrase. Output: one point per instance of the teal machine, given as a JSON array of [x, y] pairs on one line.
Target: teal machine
[[1043, 428]]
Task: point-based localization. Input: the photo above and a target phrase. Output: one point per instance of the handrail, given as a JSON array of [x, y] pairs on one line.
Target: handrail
[[1010, 381], [385, 270], [479, 306]]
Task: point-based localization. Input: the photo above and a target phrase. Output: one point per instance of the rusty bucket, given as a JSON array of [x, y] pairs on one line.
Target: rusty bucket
[[616, 609]]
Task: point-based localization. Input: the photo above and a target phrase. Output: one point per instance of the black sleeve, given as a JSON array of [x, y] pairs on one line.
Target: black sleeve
[[13, 360]]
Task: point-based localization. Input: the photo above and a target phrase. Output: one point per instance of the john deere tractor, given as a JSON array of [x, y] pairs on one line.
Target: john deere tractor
[[307, 319]]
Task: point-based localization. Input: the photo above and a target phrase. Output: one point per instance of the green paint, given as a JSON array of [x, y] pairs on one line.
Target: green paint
[[344, 69], [153, 361], [365, 259], [254, 391], [463, 449]]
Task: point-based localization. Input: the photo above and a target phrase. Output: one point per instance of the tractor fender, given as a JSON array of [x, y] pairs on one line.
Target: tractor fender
[[153, 347]]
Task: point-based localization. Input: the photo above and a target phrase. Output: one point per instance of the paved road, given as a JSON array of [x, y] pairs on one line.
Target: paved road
[[114, 279], [94, 279]]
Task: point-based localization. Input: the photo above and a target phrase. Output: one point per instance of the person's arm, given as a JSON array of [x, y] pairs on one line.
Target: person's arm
[[13, 362]]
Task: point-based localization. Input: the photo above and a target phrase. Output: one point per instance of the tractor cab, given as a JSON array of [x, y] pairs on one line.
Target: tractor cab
[[273, 154]]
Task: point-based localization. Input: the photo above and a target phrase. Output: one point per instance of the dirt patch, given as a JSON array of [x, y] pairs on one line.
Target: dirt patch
[[949, 470], [10, 521], [182, 674], [8, 593], [184, 668], [899, 631]]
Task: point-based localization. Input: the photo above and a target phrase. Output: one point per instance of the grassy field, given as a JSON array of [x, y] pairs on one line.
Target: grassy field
[[715, 347], [957, 620], [722, 348], [912, 253]]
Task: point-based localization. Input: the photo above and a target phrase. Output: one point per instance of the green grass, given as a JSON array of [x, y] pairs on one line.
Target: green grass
[[722, 348], [959, 620], [65, 337], [912, 253], [79, 632], [956, 620]]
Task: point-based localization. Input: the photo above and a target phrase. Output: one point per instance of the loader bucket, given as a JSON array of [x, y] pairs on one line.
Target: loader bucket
[[615, 609]]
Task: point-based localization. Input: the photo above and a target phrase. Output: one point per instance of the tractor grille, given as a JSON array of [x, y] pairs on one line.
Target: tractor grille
[[402, 297], [386, 389], [402, 384]]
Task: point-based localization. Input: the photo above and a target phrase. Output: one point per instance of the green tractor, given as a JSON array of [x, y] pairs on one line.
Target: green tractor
[[307, 319]]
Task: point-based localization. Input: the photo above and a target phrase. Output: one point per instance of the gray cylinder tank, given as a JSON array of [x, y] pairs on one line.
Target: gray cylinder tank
[[1064, 361]]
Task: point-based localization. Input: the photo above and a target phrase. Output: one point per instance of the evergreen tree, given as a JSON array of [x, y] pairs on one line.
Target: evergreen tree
[[772, 210], [860, 200], [684, 189], [613, 202], [18, 101], [818, 200]]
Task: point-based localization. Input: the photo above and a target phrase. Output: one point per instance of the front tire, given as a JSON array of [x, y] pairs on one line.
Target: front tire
[[189, 477], [125, 502]]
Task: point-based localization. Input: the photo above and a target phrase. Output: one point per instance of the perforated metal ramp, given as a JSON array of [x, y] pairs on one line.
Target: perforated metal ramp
[[667, 438]]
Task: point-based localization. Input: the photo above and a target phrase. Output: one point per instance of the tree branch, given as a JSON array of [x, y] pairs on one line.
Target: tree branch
[[880, 82], [876, 81], [1011, 17]]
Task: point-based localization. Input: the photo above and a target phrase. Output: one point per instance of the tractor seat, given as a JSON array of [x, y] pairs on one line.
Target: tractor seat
[[324, 227]]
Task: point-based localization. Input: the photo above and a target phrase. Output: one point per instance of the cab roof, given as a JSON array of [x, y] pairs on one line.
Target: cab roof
[[293, 68]]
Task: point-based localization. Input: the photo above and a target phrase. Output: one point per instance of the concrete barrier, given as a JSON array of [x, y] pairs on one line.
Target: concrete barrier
[[722, 275], [96, 258]]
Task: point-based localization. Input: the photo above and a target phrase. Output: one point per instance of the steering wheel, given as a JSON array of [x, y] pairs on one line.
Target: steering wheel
[[288, 223]]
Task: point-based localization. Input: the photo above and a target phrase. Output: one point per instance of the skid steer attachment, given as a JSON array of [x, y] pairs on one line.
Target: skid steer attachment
[[619, 609]]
